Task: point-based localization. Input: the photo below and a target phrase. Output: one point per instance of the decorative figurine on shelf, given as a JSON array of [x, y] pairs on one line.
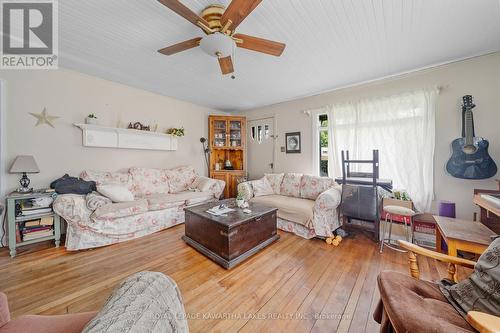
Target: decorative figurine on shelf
[[91, 119], [24, 164], [228, 165], [138, 126], [176, 131]]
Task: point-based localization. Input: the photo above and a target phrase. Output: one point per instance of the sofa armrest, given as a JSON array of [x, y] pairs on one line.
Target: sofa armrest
[[73, 209], [245, 189], [214, 186], [325, 213], [329, 198]]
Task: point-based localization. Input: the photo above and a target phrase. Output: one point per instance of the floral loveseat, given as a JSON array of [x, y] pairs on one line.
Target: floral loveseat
[[160, 197], [307, 205]]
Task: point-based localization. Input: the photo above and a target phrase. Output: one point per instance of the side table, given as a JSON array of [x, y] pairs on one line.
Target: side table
[[13, 219], [462, 235]]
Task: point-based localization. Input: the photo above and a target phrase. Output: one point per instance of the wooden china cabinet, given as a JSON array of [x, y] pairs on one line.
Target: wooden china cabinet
[[227, 140]]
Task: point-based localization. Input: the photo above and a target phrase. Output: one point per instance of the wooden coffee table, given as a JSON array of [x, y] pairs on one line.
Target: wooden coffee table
[[462, 235], [228, 240]]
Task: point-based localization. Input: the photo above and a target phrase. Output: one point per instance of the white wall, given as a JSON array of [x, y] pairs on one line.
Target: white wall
[[71, 96], [479, 77]]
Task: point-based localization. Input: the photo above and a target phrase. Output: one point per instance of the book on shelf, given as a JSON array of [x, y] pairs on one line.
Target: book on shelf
[[36, 211], [31, 230], [44, 221], [18, 234], [37, 235]]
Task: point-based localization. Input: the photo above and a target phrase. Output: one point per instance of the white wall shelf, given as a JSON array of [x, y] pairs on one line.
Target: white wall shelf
[[112, 137]]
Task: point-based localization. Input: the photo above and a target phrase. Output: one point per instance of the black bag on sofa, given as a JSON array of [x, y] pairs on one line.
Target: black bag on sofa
[[67, 184]]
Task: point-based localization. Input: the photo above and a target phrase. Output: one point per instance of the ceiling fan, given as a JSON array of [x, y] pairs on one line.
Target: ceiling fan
[[219, 25]]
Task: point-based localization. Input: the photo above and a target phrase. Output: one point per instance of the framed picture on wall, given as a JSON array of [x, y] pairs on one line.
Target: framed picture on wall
[[293, 144]]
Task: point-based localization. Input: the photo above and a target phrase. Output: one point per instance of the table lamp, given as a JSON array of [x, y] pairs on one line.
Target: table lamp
[[24, 164]]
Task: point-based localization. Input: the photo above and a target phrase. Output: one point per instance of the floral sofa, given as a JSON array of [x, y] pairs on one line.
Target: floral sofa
[[307, 205], [160, 197]]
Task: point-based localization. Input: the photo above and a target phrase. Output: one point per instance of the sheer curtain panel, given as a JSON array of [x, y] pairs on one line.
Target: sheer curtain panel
[[401, 127]]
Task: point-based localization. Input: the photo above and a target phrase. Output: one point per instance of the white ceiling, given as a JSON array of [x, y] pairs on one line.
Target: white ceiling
[[330, 43]]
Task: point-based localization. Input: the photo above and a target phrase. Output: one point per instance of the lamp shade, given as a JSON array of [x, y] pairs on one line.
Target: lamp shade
[[217, 43], [24, 163]]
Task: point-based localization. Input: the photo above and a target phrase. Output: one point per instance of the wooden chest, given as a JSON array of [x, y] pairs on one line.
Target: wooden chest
[[228, 240]]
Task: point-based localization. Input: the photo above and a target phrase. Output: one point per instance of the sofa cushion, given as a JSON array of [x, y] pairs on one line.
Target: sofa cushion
[[290, 186], [409, 302], [181, 178], [165, 201], [275, 179], [262, 187], [297, 210], [106, 178], [121, 209], [116, 193], [149, 181], [312, 186]]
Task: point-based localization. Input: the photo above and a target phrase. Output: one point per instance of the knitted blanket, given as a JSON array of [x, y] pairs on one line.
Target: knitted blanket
[[145, 302]]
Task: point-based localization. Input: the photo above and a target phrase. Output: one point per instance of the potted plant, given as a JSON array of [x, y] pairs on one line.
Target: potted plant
[[176, 131], [240, 199], [91, 119]]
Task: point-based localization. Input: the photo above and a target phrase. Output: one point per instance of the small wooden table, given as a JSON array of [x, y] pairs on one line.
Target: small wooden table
[[462, 235], [230, 239]]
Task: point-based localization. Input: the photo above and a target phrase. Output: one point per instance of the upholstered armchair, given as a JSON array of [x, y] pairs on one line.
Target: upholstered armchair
[[408, 304]]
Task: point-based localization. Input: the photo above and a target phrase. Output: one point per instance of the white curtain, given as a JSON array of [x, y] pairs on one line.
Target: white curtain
[[401, 127]]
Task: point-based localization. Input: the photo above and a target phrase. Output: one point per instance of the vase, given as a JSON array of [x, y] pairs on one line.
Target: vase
[[240, 202], [91, 121]]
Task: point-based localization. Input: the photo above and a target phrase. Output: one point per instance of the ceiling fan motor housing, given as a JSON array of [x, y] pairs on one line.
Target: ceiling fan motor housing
[[218, 45]]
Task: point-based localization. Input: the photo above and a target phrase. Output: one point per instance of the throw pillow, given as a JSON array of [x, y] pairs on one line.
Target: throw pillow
[[106, 178], [116, 193], [262, 187], [181, 178], [481, 290], [202, 184], [290, 186], [312, 186], [275, 180], [148, 181]]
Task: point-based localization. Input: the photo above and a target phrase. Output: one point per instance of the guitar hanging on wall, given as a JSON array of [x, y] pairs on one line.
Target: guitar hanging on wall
[[470, 158]]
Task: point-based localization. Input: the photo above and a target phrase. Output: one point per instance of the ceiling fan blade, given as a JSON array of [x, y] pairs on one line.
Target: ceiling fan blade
[[237, 11], [182, 46], [179, 8], [226, 65], [260, 45]]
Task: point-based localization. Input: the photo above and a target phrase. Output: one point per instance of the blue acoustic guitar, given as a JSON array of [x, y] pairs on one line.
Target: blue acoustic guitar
[[470, 158]]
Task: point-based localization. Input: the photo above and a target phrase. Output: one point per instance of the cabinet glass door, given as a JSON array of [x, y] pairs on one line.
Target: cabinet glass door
[[235, 133], [220, 131]]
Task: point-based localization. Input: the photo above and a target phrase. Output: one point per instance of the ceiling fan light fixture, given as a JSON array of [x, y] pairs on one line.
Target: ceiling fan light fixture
[[217, 45]]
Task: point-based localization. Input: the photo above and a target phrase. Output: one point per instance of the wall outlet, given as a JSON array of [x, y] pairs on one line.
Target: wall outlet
[[282, 149]]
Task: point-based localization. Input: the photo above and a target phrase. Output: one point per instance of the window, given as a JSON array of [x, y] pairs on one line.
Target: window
[[323, 144]]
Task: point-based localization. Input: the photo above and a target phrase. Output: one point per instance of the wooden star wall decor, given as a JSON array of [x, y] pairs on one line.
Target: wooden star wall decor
[[44, 118]]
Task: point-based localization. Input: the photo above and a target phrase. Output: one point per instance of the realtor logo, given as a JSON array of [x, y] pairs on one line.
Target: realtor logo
[[29, 34]]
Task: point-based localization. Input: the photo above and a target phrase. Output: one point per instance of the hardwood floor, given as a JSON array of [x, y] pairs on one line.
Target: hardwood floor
[[294, 285]]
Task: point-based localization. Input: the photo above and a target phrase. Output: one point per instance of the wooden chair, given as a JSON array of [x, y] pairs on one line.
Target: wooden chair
[[484, 323]]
